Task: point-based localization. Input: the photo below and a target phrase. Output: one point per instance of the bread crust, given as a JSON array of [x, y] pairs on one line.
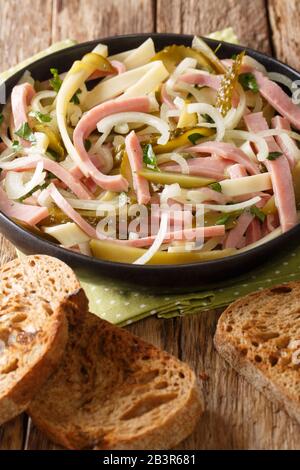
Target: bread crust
[[33, 330], [132, 400], [253, 336]]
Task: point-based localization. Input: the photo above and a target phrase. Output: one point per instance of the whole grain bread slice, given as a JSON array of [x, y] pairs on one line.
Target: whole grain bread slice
[[33, 330], [259, 335], [115, 391]]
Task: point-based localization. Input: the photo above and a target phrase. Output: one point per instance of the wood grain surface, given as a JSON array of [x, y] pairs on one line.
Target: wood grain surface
[[236, 416]]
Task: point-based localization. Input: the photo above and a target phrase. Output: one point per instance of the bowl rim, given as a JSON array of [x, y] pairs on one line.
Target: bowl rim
[[79, 257]]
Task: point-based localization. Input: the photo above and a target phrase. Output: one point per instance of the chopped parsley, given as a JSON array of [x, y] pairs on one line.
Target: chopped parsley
[[26, 133], [258, 213], [1, 118], [56, 81], [40, 116], [216, 187], [149, 157], [274, 155], [223, 219], [16, 146], [75, 98], [194, 137], [248, 82]]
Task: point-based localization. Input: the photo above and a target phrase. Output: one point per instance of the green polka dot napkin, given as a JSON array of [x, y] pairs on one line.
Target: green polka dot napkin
[[124, 307]]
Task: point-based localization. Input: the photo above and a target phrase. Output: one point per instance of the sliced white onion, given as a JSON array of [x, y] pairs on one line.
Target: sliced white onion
[[179, 103], [203, 108], [36, 104], [105, 125], [185, 64], [158, 241], [248, 60], [280, 78], [291, 146], [248, 150], [181, 161], [232, 207], [261, 144], [44, 199], [40, 146], [14, 181], [121, 128], [118, 141], [204, 95], [7, 155], [170, 191]]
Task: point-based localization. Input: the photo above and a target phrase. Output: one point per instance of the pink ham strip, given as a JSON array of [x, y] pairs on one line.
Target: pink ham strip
[[118, 66], [202, 79], [279, 122], [271, 222], [21, 97], [236, 234], [227, 151], [280, 173], [254, 232], [31, 215], [135, 156], [88, 123], [236, 171], [166, 98], [278, 99], [209, 167], [61, 202], [188, 234], [26, 163]]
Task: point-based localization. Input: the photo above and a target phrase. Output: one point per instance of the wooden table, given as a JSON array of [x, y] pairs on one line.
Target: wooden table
[[237, 416]]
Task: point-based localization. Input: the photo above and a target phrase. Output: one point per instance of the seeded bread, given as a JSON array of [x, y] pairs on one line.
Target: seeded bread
[[33, 331], [259, 335], [115, 391]]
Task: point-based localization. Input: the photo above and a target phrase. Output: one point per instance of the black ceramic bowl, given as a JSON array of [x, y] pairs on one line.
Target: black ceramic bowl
[[178, 278]]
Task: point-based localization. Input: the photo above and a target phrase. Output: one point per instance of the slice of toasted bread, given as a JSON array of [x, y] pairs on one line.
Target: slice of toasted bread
[[33, 331], [259, 335], [115, 391]]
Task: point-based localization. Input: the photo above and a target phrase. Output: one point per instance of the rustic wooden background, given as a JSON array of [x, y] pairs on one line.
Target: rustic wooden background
[[237, 416]]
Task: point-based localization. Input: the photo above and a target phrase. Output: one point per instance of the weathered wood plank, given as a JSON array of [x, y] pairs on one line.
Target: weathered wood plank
[[25, 28], [285, 21], [237, 416], [85, 20], [249, 19]]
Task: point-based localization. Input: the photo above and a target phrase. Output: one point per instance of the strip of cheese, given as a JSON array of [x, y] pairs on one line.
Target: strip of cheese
[[246, 185], [115, 86], [140, 56], [148, 83], [68, 234]]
